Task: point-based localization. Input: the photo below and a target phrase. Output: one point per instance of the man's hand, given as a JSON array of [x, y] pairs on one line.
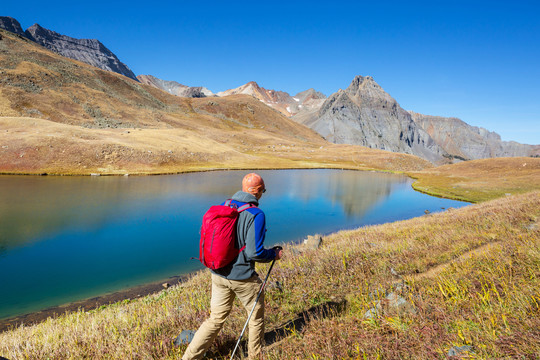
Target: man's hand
[[279, 252]]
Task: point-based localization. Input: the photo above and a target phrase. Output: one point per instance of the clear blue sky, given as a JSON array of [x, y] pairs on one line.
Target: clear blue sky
[[476, 60]]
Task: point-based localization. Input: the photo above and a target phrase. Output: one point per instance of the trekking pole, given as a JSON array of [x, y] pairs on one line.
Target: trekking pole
[[255, 304]]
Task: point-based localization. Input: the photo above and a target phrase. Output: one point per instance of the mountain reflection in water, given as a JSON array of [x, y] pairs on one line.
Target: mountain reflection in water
[[354, 193]]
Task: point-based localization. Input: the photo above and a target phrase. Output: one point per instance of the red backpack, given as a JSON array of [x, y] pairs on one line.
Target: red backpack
[[218, 235]]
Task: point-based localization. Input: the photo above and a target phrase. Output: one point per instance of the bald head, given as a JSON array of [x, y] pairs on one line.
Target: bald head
[[253, 184]]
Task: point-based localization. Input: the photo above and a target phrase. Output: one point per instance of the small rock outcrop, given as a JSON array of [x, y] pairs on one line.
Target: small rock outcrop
[[459, 351], [391, 304], [175, 88], [313, 242], [12, 25], [465, 142], [185, 337], [90, 51]]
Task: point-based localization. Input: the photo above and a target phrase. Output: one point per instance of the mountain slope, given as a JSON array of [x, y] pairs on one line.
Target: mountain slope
[[65, 117], [175, 88], [466, 142], [365, 114]]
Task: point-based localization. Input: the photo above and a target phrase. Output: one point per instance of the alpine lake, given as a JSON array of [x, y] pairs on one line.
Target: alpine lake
[[65, 239]]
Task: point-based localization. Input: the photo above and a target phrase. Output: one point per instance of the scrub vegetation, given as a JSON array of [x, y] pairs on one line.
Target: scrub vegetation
[[470, 278]]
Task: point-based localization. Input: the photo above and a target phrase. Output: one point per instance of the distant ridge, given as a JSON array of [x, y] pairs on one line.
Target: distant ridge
[[465, 142], [175, 88], [89, 51], [280, 100]]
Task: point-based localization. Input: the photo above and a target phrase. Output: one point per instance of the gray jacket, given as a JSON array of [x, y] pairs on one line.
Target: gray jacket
[[250, 232]]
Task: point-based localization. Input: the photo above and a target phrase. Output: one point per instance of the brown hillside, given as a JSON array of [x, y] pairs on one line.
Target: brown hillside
[[480, 180], [61, 116]]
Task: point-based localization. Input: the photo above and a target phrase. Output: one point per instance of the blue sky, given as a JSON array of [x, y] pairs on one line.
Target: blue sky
[[476, 60]]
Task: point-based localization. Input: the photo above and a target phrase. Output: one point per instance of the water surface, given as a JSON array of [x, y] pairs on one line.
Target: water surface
[[64, 239]]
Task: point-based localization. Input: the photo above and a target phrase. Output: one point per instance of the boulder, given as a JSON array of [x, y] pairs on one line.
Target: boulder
[[313, 242], [392, 304], [185, 337], [460, 350], [395, 304]]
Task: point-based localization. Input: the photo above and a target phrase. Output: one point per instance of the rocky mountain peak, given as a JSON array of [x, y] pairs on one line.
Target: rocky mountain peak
[[12, 25], [90, 51], [253, 83], [365, 88], [359, 80], [309, 94], [364, 114]]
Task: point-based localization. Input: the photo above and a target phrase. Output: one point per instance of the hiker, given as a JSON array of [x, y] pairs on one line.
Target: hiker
[[239, 278]]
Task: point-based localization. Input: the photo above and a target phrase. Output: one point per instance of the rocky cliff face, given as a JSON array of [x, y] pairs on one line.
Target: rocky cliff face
[[12, 25], [175, 88], [465, 142], [89, 51], [364, 114], [288, 105]]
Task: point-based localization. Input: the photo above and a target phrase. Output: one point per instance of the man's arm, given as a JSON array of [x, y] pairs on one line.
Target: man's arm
[[255, 240]]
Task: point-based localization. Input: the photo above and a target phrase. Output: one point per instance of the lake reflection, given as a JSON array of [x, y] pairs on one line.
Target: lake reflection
[[64, 239]]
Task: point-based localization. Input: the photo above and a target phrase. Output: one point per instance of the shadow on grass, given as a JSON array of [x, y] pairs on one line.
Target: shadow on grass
[[295, 326]]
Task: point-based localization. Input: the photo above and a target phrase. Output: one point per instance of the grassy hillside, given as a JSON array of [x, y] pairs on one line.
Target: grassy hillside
[[60, 116], [480, 180], [470, 277]]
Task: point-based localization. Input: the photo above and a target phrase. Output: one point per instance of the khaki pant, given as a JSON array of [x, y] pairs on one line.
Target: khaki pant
[[223, 293]]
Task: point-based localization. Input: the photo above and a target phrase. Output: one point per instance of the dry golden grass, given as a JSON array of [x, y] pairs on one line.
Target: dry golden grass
[[480, 180], [36, 146], [480, 295]]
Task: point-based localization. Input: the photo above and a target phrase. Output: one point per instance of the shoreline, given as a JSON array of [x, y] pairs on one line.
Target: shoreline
[[37, 317], [201, 170]]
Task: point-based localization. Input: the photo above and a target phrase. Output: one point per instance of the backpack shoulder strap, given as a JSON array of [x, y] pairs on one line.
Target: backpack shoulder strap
[[245, 207]]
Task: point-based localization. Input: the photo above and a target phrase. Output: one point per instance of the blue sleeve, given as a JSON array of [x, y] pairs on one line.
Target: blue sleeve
[[255, 243]]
